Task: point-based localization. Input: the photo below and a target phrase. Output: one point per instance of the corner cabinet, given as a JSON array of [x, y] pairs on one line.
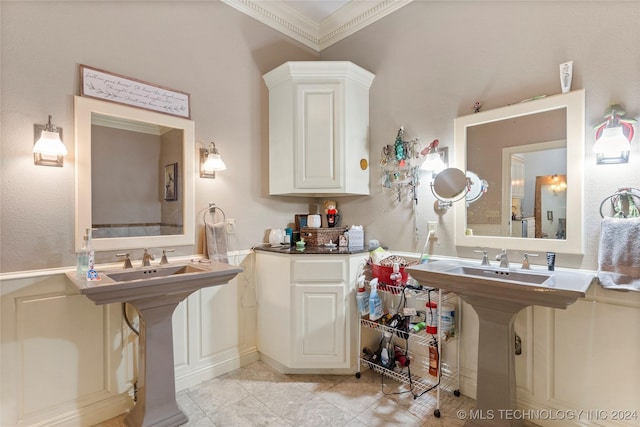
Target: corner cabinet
[[318, 128], [306, 311]]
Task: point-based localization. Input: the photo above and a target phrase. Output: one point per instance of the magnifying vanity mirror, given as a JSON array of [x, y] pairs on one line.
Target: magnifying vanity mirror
[[449, 184], [134, 177], [534, 201]]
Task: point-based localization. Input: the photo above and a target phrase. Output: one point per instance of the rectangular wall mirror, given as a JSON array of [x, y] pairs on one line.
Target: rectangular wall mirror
[[534, 200], [134, 177]]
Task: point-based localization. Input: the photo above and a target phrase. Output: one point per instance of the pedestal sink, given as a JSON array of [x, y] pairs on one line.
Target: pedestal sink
[[497, 295], [155, 292]]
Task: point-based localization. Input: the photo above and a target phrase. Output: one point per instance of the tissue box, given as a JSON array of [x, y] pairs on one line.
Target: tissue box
[[356, 238]]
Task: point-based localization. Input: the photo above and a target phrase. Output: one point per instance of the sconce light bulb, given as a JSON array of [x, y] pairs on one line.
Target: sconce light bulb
[[433, 162], [612, 142], [214, 163], [50, 144]]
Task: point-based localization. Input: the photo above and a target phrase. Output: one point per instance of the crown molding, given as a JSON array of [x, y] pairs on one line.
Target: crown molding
[[347, 20]]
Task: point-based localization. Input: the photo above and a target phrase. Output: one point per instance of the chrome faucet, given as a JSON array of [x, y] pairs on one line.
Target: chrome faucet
[[485, 259], [147, 258], [503, 258]]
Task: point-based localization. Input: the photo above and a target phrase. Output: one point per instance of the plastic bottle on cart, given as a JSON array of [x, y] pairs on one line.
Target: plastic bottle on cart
[[432, 317], [375, 302], [362, 297], [387, 354], [448, 320], [396, 276]]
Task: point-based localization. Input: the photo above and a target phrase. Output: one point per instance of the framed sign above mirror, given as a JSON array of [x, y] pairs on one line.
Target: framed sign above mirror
[[101, 84], [134, 177], [510, 147]]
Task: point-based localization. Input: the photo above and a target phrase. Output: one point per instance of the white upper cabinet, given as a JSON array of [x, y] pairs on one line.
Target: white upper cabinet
[[318, 128]]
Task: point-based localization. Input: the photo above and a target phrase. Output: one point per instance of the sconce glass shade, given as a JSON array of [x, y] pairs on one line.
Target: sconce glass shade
[[210, 162], [613, 146], [50, 144], [214, 163], [48, 150], [433, 162]]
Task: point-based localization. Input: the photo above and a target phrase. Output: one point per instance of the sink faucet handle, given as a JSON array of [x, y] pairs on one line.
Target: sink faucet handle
[[127, 260], [525, 261], [164, 259], [485, 259]]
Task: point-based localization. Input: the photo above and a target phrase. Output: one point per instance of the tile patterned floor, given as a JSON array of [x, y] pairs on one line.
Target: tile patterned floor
[[257, 395]]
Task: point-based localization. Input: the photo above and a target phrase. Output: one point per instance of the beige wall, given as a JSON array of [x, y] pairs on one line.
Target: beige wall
[[432, 61], [207, 49]]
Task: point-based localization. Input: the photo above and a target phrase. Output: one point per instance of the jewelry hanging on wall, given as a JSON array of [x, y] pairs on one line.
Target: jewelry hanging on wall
[[400, 166]]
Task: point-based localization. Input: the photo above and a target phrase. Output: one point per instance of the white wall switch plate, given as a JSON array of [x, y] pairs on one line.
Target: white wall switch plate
[[231, 226], [432, 229]]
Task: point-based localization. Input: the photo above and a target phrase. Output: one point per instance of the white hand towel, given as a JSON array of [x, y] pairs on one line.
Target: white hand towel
[[215, 236], [619, 254]]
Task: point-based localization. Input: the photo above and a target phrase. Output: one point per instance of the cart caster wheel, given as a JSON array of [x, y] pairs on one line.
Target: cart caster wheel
[[436, 413], [456, 393], [358, 376]]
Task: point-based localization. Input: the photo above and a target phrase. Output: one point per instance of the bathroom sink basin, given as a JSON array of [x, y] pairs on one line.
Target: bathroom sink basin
[[149, 272], [129, 285], [502, 274], [529, 287]]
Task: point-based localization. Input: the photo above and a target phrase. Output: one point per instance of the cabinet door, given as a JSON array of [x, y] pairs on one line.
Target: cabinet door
[[319, 133], [517, 177], [319, 326]]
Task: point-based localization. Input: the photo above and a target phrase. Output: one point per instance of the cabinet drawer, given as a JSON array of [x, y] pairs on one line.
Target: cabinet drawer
[[316, 270]]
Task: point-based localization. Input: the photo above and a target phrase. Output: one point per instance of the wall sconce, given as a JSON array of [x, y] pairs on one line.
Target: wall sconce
[[613, 137], [434, 158], [210, 161], [48, 149]]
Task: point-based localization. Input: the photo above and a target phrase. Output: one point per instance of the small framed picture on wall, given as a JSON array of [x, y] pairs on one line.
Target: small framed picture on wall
[[171, 182]]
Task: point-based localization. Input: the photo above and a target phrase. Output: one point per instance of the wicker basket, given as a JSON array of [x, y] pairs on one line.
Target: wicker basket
[[321, 236]]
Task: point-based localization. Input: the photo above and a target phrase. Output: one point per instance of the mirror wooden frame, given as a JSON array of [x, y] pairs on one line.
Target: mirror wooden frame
[[574, 102], [83, 109]]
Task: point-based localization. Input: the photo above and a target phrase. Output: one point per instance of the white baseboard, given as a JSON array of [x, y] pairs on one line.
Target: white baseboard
[[213, 370]]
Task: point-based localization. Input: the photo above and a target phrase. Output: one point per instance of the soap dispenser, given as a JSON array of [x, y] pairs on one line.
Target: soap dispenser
[[82, 257]]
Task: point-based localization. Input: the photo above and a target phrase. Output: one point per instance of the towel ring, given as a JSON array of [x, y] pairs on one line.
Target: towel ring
[[212, 209], [623, 204]]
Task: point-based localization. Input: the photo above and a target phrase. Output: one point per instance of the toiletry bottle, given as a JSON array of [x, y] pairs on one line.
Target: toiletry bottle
[[362, 297], [551, 261], [82, 257], [375, 302], [396, 276], [433, 359], [432, 317], [91, 272], [387, 355]]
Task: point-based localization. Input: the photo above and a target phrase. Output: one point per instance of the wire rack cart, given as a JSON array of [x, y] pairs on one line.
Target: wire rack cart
[[431, 357]]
